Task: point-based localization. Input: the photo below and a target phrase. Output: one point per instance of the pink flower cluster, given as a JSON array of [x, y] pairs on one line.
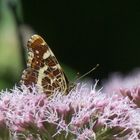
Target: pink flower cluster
[[84, 114], [128, 86]]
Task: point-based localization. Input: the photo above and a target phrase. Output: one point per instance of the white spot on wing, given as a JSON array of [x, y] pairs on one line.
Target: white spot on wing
[[41, 75], [36, 51], [46, 55], [43, 43], [30, 58]]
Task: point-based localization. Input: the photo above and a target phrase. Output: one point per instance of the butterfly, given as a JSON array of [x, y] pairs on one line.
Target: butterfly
[[43, 68]]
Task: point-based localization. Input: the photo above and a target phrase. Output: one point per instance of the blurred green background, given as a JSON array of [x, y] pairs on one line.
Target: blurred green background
[[80, 33]]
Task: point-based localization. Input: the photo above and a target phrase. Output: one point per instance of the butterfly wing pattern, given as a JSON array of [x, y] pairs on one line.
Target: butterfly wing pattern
[[43, 68]]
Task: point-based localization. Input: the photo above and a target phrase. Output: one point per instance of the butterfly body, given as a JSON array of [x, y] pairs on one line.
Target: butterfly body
[[43, 68]]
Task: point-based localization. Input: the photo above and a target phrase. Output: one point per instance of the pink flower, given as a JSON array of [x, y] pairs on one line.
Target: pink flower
[[127, 86], [84, 114]]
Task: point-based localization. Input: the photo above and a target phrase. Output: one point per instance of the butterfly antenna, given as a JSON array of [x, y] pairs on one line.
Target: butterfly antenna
[[87, 72]]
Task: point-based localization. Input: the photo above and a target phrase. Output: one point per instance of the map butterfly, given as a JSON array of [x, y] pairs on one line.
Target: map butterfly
[[43, 68]]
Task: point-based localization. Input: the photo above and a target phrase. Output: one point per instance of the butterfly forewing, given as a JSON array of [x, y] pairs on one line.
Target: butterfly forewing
[[43, 68]]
